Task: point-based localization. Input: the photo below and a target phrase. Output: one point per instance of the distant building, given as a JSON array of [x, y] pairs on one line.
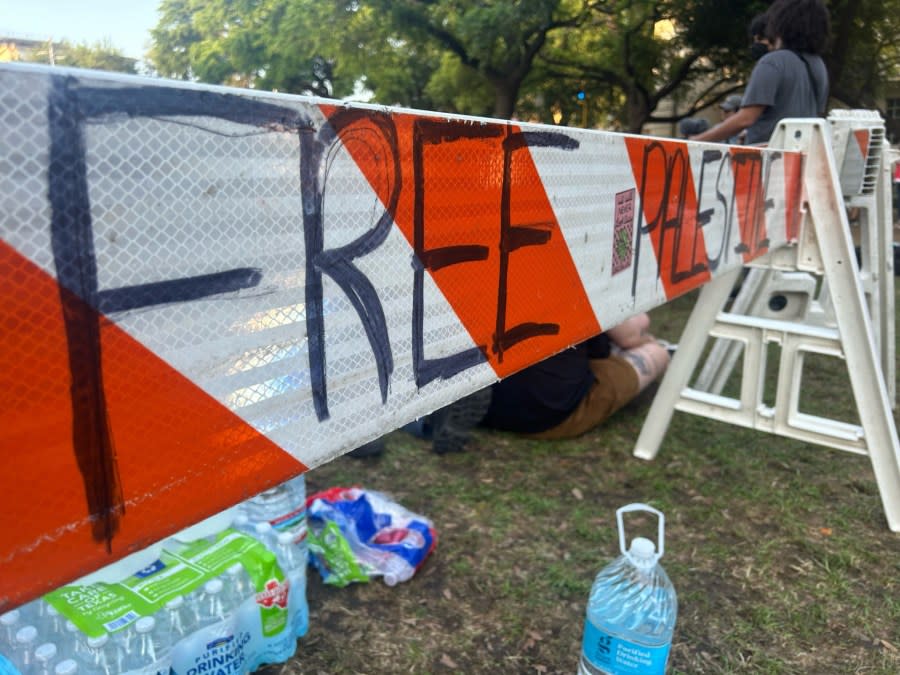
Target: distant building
[[892, 111]]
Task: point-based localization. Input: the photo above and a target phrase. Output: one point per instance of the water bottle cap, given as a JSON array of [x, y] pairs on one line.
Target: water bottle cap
[[213, 586], [175, 602], [67, 667], [145, 624], [10, 618], [26, 635], [45, 652], [642, 552], [99, 641]]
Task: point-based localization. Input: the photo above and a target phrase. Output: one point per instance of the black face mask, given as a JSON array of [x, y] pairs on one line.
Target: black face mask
[[758, 50]]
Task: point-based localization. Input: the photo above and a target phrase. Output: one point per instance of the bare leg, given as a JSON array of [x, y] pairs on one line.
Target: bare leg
[[649, 361], [632, 332]]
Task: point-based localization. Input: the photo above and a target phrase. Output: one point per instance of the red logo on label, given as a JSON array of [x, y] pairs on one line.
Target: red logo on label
[[275, 594]]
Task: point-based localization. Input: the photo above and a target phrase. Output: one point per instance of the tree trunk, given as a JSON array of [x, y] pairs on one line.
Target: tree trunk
[[506, 92], [842, 25], [637, 111]]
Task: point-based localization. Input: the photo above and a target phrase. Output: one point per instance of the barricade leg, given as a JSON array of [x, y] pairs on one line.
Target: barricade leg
[[838, 259], [725, 353], [824, 247], [711, 300]]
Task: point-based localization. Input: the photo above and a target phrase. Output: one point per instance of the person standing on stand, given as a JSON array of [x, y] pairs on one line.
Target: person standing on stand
[[789, 81], [759, 42]]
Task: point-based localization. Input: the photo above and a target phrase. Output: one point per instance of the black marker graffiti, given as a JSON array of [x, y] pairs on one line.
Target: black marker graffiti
[[376, 132], [315, 154], [70, 107], [426, 133], [76, 270], [750, 172], [513, 237], [676, 173]]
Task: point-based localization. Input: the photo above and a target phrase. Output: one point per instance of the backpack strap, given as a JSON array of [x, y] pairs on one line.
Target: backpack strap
[[812, 80]]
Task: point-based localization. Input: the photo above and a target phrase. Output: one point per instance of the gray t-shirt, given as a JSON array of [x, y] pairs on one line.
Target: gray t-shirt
[[781, 82]]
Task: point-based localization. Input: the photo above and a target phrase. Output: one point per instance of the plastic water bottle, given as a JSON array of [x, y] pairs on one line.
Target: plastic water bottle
[[144, 648], [297, 486], [26, 641], [66, 667], [270, 504], [10, 623], [102, 656], [264, 533], [211, 607], [241, 522], [33, 613], [76, 643], [288, 554], [285, 508], [44, 657], [53, 623], [632, 609], [237, 586], [179, 619]]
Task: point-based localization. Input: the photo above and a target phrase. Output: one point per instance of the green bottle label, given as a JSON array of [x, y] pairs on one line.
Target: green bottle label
[[102, 607]]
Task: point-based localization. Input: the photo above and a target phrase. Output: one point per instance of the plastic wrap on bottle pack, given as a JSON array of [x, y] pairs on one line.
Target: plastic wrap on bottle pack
[[356, 534], [212, 598]]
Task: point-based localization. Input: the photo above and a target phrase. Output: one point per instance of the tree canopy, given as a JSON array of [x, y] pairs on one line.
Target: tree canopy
[[97, 56], [527, 58]]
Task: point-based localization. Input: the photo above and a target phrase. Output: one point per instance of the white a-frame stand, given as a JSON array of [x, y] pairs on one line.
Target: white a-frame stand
[[824, 247]]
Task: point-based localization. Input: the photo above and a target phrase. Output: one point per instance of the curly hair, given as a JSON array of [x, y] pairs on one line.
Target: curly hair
[[758, 25], [802, 25]]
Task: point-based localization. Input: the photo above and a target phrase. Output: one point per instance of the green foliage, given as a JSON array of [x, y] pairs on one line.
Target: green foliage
[[510, 57], [630, 55], [864, 54], [493, 44], [97, 56], [453, 87]]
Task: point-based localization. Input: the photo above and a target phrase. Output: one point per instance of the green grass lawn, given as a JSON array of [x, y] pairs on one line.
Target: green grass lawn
[[779, 550]]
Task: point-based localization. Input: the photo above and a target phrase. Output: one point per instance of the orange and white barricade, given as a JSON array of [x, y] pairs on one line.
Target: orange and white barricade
[[207, 291]]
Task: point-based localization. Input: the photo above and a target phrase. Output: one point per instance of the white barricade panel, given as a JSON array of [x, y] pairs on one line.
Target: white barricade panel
[[207, 291]]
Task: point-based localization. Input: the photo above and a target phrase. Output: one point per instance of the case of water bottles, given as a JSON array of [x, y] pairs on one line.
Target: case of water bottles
[[222, 597]]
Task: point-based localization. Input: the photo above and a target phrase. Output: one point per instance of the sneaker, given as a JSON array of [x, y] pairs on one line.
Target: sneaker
[[450, 426]]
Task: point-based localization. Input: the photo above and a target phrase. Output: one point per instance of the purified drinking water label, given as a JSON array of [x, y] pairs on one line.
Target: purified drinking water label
[[609, 654], [102, 607]]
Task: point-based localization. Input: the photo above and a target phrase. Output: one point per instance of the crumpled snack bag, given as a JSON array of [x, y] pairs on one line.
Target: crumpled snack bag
[[356, 534]]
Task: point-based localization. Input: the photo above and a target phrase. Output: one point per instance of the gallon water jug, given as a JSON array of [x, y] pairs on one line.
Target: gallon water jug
[[632, 609]]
